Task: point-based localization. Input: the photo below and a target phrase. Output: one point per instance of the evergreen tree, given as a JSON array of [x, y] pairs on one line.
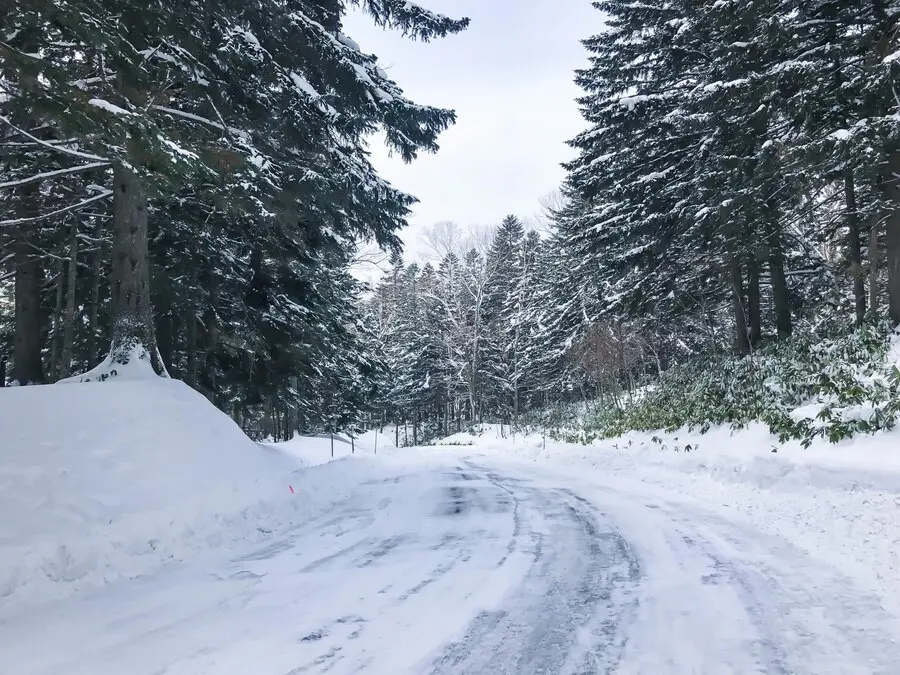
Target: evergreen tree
[[230, 140]]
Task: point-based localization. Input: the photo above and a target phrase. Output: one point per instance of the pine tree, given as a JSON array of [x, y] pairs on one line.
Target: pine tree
[[221, 97]]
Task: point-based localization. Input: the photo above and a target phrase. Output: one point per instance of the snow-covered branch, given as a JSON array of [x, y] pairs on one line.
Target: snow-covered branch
[[199, 119], [57, 148], [52, 174], [67, 209]]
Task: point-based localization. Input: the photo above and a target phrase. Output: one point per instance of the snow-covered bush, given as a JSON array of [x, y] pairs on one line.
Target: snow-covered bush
[[823, 381]]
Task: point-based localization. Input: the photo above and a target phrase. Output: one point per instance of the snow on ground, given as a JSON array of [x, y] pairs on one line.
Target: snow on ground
[[324, 448], [838, 502], [443, 563], [108, 481], [143, 533]]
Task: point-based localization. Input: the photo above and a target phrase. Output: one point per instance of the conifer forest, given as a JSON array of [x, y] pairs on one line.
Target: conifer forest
[[188, 185]]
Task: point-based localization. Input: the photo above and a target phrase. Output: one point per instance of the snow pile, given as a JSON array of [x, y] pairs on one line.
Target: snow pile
[[105, 481], [839, 502]]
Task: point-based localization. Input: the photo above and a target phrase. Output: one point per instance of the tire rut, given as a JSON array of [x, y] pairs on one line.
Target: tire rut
[[568, 615]]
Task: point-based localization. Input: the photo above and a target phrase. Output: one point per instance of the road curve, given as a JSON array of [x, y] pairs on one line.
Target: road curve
[[454, 565]]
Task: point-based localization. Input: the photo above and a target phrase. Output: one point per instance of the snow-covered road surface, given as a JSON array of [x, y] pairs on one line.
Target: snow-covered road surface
[[443, 564]]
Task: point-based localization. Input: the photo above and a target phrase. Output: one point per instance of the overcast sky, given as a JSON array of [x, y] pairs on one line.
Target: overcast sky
[[509, 78]]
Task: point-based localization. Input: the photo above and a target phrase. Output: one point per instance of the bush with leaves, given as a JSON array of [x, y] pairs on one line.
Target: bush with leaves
[[841, 374]]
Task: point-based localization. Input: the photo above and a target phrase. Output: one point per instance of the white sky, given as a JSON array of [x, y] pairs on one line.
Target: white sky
[[510, 79]]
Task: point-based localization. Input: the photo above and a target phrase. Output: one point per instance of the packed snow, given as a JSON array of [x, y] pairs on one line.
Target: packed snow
[[107, 481], [144, 533]]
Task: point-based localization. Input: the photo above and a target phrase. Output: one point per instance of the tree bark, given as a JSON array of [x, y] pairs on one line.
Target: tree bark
[[742, 342], [28, 367], [56, 341], [854, 247], [65, 358], [211, 325], [754, 311], [192, 364], [133, 334], [94, 312], [891, 189], [780, 297], [873, 269]]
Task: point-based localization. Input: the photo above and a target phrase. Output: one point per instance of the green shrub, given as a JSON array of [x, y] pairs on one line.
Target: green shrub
[[844, 372]]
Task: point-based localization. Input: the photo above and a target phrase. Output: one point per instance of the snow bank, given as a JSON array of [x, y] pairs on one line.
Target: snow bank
[[317, 450], [112, 480], [840, 503], [750, 456]]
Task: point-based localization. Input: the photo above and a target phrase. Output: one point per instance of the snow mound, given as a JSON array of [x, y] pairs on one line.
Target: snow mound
[[105, 481], [136, 366]]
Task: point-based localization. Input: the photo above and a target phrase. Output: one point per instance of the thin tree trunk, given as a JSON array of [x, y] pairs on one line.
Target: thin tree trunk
[[56, 342], [165, 335], [891, 190], [780, 297], [94, 312], [133, 334], [191, 373], [211, 324], [874, 255], [65, 359], [742, 342], [854, 247], [754, 310], [28, 367], [891, 173]]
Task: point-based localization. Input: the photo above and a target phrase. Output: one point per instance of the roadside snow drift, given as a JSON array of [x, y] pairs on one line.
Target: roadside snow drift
[[111, 480]]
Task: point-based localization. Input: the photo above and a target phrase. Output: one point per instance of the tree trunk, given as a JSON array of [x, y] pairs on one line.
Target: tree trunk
[[94, 313], [742, 342], [190, 376], [27, 340], [780, 298], [65, 358], [211, 327], [891, 190], [754, 311], [854, 248], [133, 334], [165, 337], [56, 341], [873, 269]]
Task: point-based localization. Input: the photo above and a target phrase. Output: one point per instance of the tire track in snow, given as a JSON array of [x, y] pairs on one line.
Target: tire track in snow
[[569, 611]]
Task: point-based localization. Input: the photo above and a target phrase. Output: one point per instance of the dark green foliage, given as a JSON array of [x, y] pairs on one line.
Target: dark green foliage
[[246, 124], [837, 378]]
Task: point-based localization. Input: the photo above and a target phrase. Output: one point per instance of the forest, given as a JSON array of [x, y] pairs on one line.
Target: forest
[[183, 186], [190, 189]]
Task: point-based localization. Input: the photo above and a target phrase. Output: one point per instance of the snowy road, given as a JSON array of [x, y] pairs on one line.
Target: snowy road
[[475, 565]]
